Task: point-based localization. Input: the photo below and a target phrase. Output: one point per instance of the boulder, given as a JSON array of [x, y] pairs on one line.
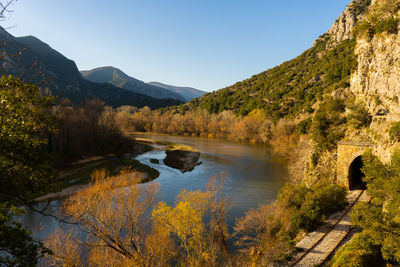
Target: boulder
[[182, 160]]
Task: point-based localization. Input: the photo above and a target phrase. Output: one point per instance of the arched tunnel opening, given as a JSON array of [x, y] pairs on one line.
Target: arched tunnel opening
[[356, 176]]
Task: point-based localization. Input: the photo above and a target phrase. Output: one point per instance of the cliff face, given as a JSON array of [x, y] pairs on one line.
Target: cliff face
[[343, 28], [376, 80], [377, 77]]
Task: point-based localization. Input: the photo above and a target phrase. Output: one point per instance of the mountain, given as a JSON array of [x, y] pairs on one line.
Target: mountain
[[295, 86], [119, 79], [187, 92], [36, 62]]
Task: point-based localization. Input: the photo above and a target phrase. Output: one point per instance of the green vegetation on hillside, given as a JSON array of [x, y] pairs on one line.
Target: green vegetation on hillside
[[382, 18], [360, 7], [288, 89], [394, 132], [327, 119]]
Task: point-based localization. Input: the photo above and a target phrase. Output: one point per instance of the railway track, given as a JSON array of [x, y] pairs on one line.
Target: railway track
[[323, 246]]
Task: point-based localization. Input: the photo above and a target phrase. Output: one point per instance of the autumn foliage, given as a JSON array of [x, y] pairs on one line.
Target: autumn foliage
[[115, 213]]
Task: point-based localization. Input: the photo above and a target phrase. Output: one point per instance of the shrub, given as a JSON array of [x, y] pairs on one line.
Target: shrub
[[389, 25], [394, 132], [359, 116], [331, 198], [358, 252], [308, 205], [325, 126], [380, 217], [315, 158], [318, 202], [359, 7], [270, 230], [304, 126], [295, 196], [308, 217]]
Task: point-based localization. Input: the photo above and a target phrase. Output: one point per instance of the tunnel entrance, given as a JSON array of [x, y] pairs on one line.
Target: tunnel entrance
[[355, 175]]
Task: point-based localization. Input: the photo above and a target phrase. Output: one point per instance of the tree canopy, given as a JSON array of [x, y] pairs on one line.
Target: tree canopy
[[25, 166]]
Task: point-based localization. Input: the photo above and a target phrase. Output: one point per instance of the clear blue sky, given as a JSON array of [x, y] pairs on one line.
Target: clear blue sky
[[207, 44]]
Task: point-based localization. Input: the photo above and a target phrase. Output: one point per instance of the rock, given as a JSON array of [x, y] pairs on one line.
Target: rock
[[155, 161], [182, 160], [343, 28]]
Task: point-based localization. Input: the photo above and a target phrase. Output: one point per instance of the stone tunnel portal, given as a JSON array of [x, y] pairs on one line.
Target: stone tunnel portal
[[349, 164], [355, 175]]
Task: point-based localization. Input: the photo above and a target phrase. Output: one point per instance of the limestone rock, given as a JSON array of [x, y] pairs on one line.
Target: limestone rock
[[343, 27], [378, 72]]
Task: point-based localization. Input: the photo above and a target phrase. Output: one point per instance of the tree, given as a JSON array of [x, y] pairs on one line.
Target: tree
[[25, 122], [25, 166], [380, 218], [198, 243], [113, 212], [18, 248], [360, 251], [325, 125]]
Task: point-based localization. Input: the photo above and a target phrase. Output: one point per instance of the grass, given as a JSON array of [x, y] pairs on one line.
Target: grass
[[175, 147], [153, 141], [170, 146]]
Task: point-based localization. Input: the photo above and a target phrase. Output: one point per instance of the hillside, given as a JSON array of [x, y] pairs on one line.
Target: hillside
[[296, 85], [120, 79], [36, 62], [187, 92]]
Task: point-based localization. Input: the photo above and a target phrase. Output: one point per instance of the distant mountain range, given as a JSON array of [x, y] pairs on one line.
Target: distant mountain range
[[120, 79], [36, 62], [187, 92]]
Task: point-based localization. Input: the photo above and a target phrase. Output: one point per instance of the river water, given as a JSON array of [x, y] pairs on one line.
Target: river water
[[251, 176]]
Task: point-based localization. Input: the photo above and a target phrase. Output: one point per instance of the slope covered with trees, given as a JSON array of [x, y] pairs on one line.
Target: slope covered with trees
[[289, 89], [295, 86]]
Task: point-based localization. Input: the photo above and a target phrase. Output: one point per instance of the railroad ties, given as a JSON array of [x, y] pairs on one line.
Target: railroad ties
[[318, 246]]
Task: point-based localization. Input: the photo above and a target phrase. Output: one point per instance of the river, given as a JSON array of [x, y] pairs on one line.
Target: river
[[251, 176]]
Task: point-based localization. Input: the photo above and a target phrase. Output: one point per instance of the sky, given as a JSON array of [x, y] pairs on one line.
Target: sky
[[206, 44]]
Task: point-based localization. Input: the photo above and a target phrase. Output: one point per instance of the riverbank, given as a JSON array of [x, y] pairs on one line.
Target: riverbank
[[78, 176]]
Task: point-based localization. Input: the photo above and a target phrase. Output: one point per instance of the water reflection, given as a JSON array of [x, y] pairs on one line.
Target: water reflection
[[251, 177]]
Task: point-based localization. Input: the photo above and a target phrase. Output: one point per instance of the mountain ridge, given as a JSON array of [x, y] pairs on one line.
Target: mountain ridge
[[36, 62], [120, 79], [187, 92]]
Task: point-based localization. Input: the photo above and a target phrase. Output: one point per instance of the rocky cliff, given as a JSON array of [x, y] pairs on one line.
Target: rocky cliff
[[343, 28], [376, 80], [377, 77]]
